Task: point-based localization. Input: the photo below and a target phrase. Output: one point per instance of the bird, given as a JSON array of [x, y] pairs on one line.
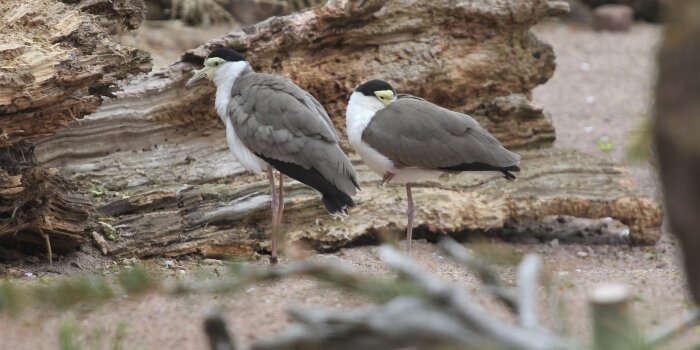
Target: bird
[[271, 123], [405, 139]]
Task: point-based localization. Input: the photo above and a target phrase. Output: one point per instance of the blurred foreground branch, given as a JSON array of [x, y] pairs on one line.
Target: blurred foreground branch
[[415, 308]]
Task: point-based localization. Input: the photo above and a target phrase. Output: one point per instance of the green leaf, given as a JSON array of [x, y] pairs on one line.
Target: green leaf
[[605, 144]]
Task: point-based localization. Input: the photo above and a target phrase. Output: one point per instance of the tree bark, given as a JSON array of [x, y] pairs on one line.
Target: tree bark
[[56, 60], [194, 198], [172, 186], [38, 207], [677, 128]]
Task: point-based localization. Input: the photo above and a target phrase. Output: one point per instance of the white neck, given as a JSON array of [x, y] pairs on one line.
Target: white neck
[[224, 78], [361, 110]]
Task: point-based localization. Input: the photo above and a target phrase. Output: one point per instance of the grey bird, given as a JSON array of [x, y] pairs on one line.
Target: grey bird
[[405, 139], [273, 123]]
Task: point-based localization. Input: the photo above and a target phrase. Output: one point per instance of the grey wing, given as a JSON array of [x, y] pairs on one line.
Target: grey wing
[[275, 119], [313, 104], [415, 133], [407, 96]]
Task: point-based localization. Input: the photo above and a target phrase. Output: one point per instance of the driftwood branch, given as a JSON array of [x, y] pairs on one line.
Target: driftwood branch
[[673, 328], [427, 312], [528, 281], [469, 313], [485, 271], [613, 325], [400, 323]]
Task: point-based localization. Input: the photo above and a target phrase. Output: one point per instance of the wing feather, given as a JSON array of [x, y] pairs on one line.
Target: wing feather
[[415, 133], [277, 120]]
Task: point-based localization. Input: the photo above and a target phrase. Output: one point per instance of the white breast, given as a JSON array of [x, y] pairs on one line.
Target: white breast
[[224, 78], [361, 109], [244, 156]]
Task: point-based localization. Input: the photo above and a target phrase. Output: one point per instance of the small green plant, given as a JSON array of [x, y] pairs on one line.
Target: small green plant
[[10, 298], [98, 191], [109, 231], [604, 144], [136, 280], [68, 336], [119, 336]]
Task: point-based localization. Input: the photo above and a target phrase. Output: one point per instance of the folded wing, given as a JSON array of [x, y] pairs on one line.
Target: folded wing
[[288, 128], [412, 132]]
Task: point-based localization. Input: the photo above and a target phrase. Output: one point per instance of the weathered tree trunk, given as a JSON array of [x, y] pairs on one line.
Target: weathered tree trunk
[[677, 129], [56, 60], [173, 187], [38, 207]]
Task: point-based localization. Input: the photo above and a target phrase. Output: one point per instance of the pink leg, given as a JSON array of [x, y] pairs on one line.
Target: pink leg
[[409, 213], [274, 204], [277, 234], [280, 201]]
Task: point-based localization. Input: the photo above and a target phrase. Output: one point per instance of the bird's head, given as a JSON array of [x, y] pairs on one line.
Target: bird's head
[[215, 61], [379, 89]]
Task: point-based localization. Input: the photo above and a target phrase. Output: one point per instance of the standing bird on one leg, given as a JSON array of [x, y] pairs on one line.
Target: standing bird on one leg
[[404, 139], [272, 123]]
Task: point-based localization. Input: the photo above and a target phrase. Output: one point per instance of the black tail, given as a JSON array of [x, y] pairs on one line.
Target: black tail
[[338, 202], [335, 200], [476, 166]]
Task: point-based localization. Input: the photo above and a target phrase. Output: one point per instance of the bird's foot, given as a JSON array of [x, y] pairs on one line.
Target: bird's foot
[[386, 179], [339, 216], [273, 260]]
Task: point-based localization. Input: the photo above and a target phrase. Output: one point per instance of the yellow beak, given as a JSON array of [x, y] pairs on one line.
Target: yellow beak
[[386, 96]]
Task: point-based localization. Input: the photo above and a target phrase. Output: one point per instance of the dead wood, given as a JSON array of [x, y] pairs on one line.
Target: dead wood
[[39, 209], [209, 205], [174, 188], [56, 61], [426, 313], [472, 57]]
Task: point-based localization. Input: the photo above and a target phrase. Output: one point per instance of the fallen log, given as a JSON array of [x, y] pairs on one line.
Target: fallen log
[[207, 205], [56, 62], [171, 187]]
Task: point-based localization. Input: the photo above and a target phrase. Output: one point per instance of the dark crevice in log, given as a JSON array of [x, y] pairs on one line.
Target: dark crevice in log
[[39, 209]]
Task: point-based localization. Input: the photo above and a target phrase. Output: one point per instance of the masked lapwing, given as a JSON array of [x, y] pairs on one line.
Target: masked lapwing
[[271, 123], [406, 139]]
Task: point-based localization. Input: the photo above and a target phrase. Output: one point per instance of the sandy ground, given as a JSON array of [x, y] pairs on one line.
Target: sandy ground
[[601, 88]]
